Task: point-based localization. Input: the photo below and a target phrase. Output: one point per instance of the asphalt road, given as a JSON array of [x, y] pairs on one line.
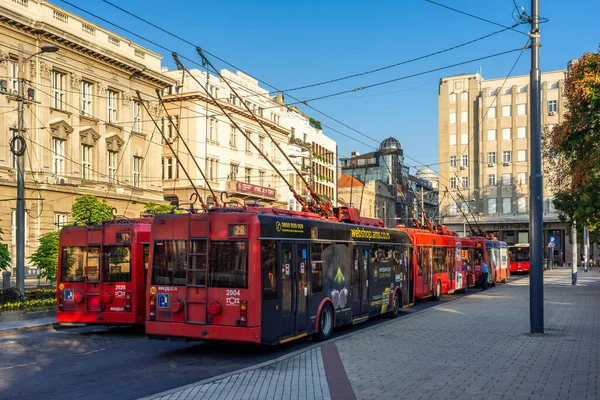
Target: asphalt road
[[97, 363]]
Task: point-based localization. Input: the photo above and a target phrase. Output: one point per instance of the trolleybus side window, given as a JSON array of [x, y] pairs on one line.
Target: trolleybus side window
[[168, 262], [420, 262], [116, 266], [269, 269], [228, 264], [146, 252], [72, 264], [439, 260], [316, 272]]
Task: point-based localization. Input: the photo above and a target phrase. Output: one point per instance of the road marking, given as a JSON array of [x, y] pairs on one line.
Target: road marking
[[93, 351], [18, 366]]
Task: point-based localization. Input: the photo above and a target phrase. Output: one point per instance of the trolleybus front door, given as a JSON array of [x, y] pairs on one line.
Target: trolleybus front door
[[293, 259], [360, 275]]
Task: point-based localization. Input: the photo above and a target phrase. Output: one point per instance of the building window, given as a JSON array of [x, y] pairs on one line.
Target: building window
[[86, 161], [491, 112], [111, 105], [275, 118], [506, 179], [491, 135], [521, 179], [58, 156], [261, 178], [453, 118], [464, 181], [464, 116], [170, 168], [233, 170], [248, 141], [505, 133], [551, 207], [506, 156], [60, 220], [212, 169], [522, 205], [464, 96], [137, 171], [172, 127], [521, 155], [453, 209], [261, 111], [491, 157], [492, 180], [86, 98], [491, 206], [261, 143], [137, 117], [13, 76], [552, 106], [112, 165], [464, 138], [58, 90], [232, 136], [464, 161], [232, 98], [507, 205], [493, 92], [247, 174], [521, 109], [453, 184], [452, 97], [453, 161], [521, 132], [452, 140], [506, 91], [522, 89], [506, 111], [212, 129]]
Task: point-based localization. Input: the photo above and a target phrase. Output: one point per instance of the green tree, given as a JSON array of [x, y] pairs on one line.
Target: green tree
[[572, 148], [88, 209], [46, 256], [4, 255], [155, 209]]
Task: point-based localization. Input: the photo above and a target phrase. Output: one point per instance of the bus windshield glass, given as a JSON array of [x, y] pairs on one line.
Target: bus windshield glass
[[228, 264], [519, 254], [116, 265], [72, 264]]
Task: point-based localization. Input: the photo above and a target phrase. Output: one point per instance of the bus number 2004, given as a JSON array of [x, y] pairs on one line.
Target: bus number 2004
[[232, 292]]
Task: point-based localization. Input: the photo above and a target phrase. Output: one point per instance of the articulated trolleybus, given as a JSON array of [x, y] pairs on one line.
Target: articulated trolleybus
[[102, 272], [269, 276]]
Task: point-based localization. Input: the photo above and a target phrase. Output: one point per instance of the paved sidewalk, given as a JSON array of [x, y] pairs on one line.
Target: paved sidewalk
[[26, 325], [477, 347]]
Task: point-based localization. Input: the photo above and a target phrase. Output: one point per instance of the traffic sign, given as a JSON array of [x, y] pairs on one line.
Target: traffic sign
[[552, 243]]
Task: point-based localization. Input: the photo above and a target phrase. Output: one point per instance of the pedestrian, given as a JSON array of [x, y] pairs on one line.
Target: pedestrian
[[485, 272]]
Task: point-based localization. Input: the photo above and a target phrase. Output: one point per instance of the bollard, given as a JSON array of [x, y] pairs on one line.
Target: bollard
[[5, 279]]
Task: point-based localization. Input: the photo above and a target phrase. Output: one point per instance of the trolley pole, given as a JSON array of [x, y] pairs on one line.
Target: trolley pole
[[536, 184]]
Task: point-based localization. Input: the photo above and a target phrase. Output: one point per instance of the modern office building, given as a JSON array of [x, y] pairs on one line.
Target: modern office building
[[484, 161]]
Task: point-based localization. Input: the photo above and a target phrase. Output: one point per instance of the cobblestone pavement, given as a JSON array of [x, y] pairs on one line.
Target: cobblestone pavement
[[477, 347]]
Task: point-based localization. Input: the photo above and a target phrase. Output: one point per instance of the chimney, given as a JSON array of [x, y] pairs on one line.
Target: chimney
[[354, 154], [279, 99], [164, 69]]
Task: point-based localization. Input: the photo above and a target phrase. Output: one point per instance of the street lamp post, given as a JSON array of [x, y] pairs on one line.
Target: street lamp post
[[18, 147]]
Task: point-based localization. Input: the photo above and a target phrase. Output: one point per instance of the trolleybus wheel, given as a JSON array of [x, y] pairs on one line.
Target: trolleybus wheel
[[396, 307], [325, 323], [494, 282], [438, 291]]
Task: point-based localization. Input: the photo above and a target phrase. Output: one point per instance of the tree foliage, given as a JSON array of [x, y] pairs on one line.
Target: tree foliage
[[45, 257], [155, 209], [4, 255], [88, 209], [572, 148]]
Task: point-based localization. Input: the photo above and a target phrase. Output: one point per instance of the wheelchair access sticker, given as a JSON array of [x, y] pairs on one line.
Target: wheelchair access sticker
[[69, 294], [162, 300]]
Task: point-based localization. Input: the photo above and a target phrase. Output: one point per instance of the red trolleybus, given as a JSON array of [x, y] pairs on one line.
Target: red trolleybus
[[269, 276], [438, 263], [101, 273], [519, 258], [495, 255]]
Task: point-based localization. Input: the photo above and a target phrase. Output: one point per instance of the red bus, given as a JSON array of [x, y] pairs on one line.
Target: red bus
[[260, 275], [495, 255], [438, 259], [519, 258], [102, 272]]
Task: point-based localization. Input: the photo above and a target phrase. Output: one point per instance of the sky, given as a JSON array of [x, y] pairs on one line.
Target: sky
[[288, 44]]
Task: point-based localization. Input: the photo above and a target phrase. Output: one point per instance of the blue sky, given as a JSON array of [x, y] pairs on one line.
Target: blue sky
[[294, 43]]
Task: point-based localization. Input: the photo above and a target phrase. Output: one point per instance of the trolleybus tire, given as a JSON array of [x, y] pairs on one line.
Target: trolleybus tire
[[325, 323], [438, 291], [396, 306], [494, 282]]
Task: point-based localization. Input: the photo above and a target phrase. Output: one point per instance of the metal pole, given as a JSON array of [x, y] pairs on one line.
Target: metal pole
[[574, 256], [422, 207], [586, 248], [536, 184], [337, 177], [20, 182]]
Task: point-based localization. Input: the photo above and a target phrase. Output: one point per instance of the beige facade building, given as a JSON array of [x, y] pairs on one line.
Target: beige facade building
[[484, 134], [373, 199], [234, 168], [85, 132]]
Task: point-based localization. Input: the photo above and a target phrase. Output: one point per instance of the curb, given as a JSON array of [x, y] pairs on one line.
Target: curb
[[26, 329], [295, 353]]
